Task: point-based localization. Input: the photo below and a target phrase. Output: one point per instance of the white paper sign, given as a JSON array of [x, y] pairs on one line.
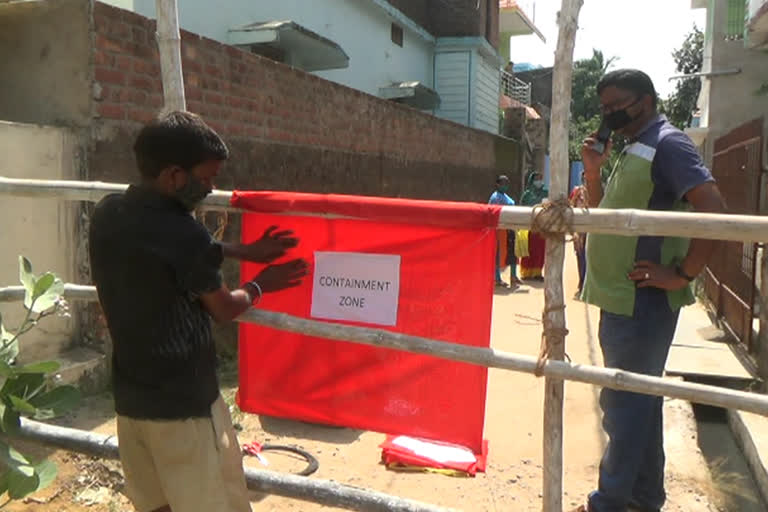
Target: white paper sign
[[356, 287]]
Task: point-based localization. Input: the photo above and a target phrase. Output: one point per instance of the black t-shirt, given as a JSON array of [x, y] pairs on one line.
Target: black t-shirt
[[150, 261]]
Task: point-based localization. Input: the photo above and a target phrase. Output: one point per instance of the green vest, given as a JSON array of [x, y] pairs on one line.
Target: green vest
[[610, 258]]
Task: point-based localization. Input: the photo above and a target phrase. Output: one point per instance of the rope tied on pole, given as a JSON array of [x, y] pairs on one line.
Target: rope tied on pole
[[551, 337], [553, 220]]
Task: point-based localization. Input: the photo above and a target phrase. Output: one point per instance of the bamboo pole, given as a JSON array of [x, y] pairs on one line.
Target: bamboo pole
[[71, 292], [710, 226], [554, 302], [324, 492], [490, 358], [169, 45]]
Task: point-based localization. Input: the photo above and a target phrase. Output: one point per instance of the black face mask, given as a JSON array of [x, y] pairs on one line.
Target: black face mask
[[619, 119], [192, 192]]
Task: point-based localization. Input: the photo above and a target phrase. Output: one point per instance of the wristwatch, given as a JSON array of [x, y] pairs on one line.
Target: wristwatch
[[679, 271]]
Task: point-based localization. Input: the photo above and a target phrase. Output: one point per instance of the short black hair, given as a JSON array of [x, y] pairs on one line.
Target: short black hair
[[501, 178], [176, 138], [632, 80]]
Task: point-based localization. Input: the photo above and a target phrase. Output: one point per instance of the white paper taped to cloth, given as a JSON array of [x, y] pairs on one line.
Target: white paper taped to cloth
[[356, 287]]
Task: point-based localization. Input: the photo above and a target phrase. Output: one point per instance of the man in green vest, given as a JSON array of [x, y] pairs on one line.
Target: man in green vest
[[640, 283]]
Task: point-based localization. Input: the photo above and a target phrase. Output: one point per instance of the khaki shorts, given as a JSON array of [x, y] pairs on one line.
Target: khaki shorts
[[192, 465]]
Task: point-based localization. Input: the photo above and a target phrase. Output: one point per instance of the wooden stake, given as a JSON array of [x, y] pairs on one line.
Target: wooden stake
[[169, 44], [710, 226], [552, 493]]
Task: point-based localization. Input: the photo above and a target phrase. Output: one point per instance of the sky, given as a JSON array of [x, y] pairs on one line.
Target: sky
[[641, 33]]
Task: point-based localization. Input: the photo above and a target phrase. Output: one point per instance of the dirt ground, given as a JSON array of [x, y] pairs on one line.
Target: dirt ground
[[513, 427]]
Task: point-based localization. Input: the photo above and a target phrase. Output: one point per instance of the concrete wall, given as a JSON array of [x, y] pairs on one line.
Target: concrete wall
[[40, 229], [45, 62], [361, 28], [731, 98]]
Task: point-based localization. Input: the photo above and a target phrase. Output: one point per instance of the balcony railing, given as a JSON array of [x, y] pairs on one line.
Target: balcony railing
[[515, 88]]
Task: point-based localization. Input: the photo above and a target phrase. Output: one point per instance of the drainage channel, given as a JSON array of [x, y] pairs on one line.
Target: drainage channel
[[734, 485]]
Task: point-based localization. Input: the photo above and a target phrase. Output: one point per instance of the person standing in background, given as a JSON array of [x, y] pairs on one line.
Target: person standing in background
[[500, 197], [578, 199]]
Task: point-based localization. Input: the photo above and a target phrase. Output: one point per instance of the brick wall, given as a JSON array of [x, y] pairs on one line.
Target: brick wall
[[287, 129]]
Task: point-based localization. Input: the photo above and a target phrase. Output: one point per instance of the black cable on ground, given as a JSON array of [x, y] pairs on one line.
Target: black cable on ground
[[312, 463]]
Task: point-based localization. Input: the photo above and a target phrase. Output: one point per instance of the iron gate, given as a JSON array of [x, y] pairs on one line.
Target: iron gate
[[729, 279]]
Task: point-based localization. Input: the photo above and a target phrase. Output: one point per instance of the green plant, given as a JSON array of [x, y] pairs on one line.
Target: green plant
[[26, 390], [689, 59]]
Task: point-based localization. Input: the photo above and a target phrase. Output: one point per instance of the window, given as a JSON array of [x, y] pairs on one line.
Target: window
[[736, 20], [397, 35]]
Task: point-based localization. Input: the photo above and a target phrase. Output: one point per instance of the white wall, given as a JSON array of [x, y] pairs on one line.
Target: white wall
[[43, 230], [360, 27]]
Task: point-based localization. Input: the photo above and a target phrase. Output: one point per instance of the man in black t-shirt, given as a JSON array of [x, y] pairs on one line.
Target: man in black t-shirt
[[157, 271]]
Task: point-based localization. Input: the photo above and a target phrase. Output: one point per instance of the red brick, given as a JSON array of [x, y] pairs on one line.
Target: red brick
[[142, 67], [109, 76], [121, 95], [213, 98], [124, 62], [109, 45], [192, 66], [101, 58], [194, 106], [213, 71], [139, 97], [188, 51], [144, 83], [110, 111], [191, 79], [234, 52], [141, 115], [192, 92], [155, 100], [140, 35]]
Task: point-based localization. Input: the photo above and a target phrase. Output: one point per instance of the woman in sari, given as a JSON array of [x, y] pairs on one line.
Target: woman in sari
[[531, 267]]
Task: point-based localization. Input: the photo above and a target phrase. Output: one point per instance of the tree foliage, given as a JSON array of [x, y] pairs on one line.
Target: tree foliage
[[585, 105], [689, 59]]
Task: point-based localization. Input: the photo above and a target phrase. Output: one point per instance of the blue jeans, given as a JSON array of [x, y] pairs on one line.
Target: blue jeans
[[632, 468], [581, 260], [499, 265]]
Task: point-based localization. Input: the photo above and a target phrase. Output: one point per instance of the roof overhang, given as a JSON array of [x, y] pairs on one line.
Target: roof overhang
[[414, 94], [305, 49], [481, 44], [699, 4], [513, 21]]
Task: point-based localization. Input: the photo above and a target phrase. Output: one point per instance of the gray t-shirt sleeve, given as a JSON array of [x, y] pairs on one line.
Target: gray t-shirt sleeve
[[678, 166]]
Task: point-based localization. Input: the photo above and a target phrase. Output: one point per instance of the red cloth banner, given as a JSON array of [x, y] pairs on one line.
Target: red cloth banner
[[438, 262]]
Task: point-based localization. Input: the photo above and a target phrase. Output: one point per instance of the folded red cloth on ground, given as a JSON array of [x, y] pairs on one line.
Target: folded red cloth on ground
[[411, 451]]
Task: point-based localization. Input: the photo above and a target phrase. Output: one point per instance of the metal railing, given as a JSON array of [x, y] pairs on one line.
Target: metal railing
[[515, 88]]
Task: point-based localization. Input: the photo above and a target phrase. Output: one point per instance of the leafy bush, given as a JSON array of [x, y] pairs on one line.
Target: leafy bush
[[28, 390]]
